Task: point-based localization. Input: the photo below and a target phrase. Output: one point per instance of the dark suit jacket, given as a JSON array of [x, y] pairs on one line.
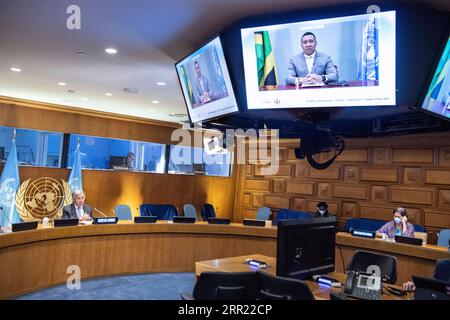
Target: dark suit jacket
[[323, 65], [69, 212]]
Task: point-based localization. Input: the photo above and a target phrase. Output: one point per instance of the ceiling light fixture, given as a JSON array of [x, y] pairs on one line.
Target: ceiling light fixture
[[155, 101], [160, 83], [62, 84], [16, 69], [111, 50], [108, 94], [81, 53], [131, 90]]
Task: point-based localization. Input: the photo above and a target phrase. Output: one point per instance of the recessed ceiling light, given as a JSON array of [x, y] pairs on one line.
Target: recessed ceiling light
[[71, 91], [131, 90], [16, 69], [81, 53], [152, 110], [108, 94], [62, 84], [160, 83], [111, 50], [83, 99], [155, 101]]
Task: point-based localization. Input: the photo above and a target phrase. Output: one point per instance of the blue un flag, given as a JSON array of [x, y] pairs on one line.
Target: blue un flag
[[368, 61], [75, 180], [9, 183]]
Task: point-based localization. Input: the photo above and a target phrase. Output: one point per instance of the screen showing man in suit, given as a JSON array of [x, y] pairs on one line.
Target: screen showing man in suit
[[343, 61], [203, 88], [310, 67], [78, 209]]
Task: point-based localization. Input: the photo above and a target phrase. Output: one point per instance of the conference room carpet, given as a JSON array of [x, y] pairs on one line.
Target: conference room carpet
[[156, 286]]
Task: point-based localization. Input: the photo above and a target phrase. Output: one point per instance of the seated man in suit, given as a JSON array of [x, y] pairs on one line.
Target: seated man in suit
[[203, 88], [310, 67], [322, 210], [78, 210]]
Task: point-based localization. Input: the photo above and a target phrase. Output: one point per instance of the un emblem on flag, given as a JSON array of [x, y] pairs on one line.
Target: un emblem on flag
[[43, 197]]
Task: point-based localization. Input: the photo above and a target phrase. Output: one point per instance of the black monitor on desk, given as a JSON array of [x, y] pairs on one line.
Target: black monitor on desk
[[117, 162], [306, 247]]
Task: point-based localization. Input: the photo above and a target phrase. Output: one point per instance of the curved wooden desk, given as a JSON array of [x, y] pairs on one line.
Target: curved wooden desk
[[31, 260]]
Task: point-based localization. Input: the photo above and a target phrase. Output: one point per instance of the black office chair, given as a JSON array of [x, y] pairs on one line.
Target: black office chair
[[363, 259], [208, 211], [442, 270], [281, 288], [224, 286]]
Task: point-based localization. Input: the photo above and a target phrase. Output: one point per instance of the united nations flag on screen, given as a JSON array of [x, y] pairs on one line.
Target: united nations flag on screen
[[9, 183]]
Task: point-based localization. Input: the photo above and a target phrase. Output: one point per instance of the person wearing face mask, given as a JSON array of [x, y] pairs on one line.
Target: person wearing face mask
[[322, 210], [399, 226]]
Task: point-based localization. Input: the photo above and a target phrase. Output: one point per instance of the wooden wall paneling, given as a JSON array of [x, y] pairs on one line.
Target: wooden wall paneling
[[379, 194], [381, 156], [350, 192], [353, 155], [324, 190], [424, 156], [352, 173], [278, 185], [276, 202], [443, 198], [299, 204], [262, 185], [284, 170], [420, 196], [301, 170], [350, 209], [246, 199], [331, 173], [433, 176], [375, 212], [438, 219], [257, 200], [444, 156], [379, 174], [306, 188], [412, 176]]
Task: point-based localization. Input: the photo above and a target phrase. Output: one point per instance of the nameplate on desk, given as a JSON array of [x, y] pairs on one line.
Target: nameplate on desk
[[23, 226], [106, 220], [254, 222], [145, 219], [65, 222], [409, 240], [363, 233], [182, 219], [218, 221]]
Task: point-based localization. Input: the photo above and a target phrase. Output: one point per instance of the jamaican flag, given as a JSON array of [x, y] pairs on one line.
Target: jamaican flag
[[187, 84], [265, 60]]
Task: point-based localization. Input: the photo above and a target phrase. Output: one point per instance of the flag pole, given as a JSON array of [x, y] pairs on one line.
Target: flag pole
[[14, 135]]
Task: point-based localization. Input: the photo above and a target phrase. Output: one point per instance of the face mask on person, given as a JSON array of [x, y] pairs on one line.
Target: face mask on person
[[322, 212], [397, 220]]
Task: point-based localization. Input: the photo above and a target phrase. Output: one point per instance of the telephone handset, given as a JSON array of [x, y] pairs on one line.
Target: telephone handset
[[363, 285]]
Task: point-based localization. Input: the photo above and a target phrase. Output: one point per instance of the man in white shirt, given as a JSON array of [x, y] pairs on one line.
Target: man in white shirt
[[311, 67], [78, 209]]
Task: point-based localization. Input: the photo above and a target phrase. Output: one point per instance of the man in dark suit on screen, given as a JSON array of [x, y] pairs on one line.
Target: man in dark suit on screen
[[311, 67], [78, 209]]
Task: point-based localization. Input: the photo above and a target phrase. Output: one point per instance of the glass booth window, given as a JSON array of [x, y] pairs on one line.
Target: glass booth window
[[189, 160], [34, 147], [117, 154]]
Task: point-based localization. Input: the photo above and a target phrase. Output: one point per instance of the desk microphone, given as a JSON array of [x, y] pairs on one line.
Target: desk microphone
[[100, 212], [7, 218]]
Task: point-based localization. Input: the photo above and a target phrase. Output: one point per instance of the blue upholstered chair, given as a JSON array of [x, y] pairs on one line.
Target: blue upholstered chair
[[371, 225], [208, 211], [190, 211], [443, 238], [263, 213], [286, 214], [123, 212], [161, 211]]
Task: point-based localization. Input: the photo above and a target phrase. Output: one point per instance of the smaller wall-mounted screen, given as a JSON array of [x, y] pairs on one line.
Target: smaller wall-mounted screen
[[437, 98], [206, 83], [336, 62]]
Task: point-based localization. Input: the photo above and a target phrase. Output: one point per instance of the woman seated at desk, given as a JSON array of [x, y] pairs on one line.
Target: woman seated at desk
[[397, 227]]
